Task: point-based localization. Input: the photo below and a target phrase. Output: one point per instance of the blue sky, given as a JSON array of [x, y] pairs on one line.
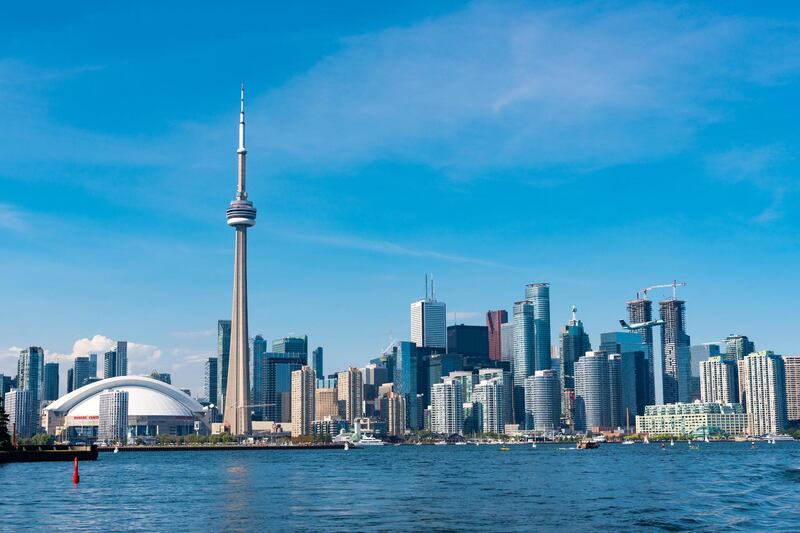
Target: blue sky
[[603, 147]]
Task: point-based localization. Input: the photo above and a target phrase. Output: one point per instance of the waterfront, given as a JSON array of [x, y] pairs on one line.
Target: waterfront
[[723, 485]]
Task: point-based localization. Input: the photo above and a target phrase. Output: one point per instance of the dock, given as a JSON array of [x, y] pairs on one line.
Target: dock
[[52, 452]]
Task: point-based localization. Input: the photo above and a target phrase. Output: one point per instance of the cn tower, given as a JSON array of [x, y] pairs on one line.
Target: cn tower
[[241, 215]]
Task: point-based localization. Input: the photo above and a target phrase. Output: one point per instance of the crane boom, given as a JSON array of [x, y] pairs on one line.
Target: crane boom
[[674, 285]]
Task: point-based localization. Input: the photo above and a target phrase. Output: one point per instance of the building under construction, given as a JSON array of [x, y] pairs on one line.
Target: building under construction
[[640, 311], [676, 358]]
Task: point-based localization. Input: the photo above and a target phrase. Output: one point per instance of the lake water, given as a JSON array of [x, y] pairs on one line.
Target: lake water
[[641, 487]]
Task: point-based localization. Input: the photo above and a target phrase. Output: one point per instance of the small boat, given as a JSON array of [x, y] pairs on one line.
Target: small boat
[[505, 449], [116, 449], [646, 440], [346, 445], [461, 443], [533, 445], [369, 440], [440, 443], [587, 445], [706, 439], [627, 442], [671, 442]]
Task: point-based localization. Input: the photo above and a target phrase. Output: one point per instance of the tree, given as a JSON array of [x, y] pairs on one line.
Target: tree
[[5, 437]]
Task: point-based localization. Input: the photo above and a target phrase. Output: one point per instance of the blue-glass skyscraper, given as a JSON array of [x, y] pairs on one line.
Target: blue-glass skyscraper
[[524, 350], [259, 381], [223, 354], [317, 362], [573, 344], [405, 377], [539, 295]]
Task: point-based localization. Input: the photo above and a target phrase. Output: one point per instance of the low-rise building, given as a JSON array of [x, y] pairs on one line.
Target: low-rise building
[[694, 419]]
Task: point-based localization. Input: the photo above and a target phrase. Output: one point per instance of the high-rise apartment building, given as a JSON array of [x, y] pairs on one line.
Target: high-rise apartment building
[[765, 392], [276, 400], [82, 372], [395, 415], [738, 346], [326, 403], [640, 311], [538, 294], [507, 343], [676, 357], [524, 354], [6, 384], [109, 366], [429, 323], [791, 365], [447, 407], [210, 380], [30, 373], [50, 382], [719, 380], [70, 380], [317, 361], [22, 409], [121, 359], [543, 401], [113, 422], [494, 324], [592, 392], [468, 381], [303, 400], [573, 343], [223, 356], [489, 404], [351, 389], [507, 380]]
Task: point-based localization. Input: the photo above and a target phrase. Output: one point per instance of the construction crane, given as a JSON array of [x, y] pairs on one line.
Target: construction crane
[[674, 285]]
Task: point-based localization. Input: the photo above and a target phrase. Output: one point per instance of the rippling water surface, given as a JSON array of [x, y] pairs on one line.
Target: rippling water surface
[[642, 487]]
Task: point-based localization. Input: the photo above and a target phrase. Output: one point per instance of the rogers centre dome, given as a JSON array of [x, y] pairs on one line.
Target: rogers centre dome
[[154, 408]]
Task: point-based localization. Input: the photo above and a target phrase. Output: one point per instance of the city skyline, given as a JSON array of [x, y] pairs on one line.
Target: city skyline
[[108, 259]]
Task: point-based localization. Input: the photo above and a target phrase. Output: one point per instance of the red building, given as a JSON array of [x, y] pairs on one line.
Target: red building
[[493, 321]]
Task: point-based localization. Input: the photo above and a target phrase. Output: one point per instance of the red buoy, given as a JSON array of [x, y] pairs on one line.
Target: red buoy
[[76, 477]]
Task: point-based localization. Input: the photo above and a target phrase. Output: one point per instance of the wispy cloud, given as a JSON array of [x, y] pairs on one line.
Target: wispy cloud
[[763, 167], [194, 334], [11, 218], [386, 247]]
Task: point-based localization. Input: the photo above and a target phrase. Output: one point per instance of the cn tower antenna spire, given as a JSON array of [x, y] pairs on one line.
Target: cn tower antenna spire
[[241, 193]]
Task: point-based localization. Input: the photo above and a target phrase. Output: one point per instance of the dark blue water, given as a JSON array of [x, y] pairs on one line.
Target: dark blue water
[[640, 487]]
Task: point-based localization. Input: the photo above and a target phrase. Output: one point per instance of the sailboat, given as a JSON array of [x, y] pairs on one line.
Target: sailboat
[[672, 442], [346, 445], [706, 439], [646, 440]]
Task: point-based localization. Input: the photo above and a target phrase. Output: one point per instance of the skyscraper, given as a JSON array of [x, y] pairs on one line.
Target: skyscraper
[[738, 346], [489, 401], [70, 380], [210, 380], [701, 352], [428, 322], [351, 389], [109, 366], [494, 323], [524, 350], [507, 343], [404, 354], [81, 371], [316, 361], [573, 344], [395, 414], [467, 340], [633, 375], [113, 421], [539, 295], [276, 402], [241, 215], [50, 382], [507, 380], [592, 392], [259, 381], [223, 356], [30, 373], [447, 407], [303, 398], [23, 413], [326, 403], [640, 311], [765, 392], [719, 381], [543, 401], [121, 359], [676, 357], [291, 345], [791, 365]]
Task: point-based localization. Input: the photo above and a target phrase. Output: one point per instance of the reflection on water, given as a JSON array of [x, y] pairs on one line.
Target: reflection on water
[[721, 486]]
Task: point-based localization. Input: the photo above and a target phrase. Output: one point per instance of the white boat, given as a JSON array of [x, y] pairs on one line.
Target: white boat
[[346, 445], [627, 442], [116, 449], [440, 443], [706, 439], [646, 440], [671, 442], [368, 440], [462, 443]]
